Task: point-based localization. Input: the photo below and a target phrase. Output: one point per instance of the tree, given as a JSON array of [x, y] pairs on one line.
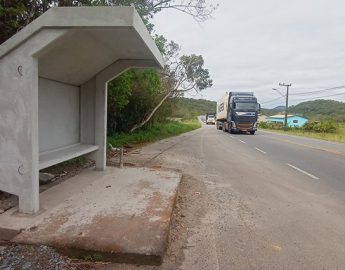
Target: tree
[[130, 97], [15, 14], [181, 74], [198, 9], [119, 92]]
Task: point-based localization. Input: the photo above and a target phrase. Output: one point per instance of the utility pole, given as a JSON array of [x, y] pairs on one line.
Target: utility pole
[[286, 103]]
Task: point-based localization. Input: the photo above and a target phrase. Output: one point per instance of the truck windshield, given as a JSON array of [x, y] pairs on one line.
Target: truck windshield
[[210, 116], [247, 106]]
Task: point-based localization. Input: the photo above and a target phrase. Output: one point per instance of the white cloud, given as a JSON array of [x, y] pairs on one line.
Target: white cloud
[[254, 45]]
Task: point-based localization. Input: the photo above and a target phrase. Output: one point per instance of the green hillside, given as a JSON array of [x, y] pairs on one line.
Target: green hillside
[[188, 108], [316, 110], [321, 109], [275, 110]]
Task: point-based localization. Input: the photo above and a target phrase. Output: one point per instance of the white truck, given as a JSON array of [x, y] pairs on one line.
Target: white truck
[[210, 118], [237, 112]]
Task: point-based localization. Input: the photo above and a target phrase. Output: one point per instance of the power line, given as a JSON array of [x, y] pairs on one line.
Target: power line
[[272, 100], [319, 91], [311, 98], [310, 93]]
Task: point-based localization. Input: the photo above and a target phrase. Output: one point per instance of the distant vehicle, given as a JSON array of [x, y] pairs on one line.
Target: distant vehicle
[[238, 112], [210, 118]]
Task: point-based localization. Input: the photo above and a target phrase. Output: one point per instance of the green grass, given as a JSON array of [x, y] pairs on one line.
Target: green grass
[[156, 132], [338, 136]]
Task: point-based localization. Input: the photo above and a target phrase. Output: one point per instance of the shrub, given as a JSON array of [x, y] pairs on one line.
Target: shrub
[[328, 126], [270, 125], [263, 125]]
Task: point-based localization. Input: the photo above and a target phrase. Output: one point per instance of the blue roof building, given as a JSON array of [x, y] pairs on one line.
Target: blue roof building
[[292, 120]]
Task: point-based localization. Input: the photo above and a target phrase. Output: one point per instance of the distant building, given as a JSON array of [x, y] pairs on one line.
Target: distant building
[[292, 120]]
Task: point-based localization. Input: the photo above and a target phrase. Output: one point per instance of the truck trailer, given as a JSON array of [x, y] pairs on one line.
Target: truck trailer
[[237, 112]]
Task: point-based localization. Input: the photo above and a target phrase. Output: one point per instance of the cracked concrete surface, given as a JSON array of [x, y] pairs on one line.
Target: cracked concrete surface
[[116, 215]]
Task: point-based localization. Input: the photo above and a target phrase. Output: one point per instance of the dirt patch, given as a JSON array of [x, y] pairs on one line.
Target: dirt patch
[[66, 170], [187, 213], [7, 201], [29, 257], [25, 257]]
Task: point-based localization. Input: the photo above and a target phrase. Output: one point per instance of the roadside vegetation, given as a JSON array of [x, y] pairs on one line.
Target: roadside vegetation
[[328, 130], [189, 108], [154, 132]]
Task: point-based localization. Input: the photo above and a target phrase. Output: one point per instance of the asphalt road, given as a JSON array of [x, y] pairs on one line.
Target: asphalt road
[[271, 201], [319, 160]]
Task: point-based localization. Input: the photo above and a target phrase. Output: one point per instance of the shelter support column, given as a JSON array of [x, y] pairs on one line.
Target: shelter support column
[[19, 161], [28, 170], [101, 124], [29, 196]]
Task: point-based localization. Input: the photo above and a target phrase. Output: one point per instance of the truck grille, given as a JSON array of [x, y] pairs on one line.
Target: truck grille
[[244, 126], [246, 120]]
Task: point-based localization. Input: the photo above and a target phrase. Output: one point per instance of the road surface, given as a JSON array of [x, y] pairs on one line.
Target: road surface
[[270, 201]]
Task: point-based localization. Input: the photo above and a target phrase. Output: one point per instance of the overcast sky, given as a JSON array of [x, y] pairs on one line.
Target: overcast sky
[[253, 45]]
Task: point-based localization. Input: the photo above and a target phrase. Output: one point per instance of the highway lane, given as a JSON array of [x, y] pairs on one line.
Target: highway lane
[[320, 160], [262, 213], [277, 216]]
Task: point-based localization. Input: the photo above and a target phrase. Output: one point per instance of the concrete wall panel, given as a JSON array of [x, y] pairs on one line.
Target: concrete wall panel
[[58, 114]]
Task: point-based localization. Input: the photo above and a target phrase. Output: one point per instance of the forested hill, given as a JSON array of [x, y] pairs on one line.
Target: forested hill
[[321, 109], [316, 110], [188, 107]]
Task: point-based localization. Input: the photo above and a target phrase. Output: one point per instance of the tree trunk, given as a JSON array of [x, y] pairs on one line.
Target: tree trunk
[[151, 114]]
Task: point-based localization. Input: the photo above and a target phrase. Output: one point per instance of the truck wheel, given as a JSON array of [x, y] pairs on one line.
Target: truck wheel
[[252, 132]]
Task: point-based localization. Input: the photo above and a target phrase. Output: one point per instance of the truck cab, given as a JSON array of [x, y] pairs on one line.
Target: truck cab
[[243, 112], [210, 118]]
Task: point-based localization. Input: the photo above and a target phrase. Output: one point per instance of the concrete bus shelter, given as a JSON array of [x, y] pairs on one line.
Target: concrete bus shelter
[[53, 90]]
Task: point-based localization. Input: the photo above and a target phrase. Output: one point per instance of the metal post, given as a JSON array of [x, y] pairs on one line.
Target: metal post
[[121, 157]]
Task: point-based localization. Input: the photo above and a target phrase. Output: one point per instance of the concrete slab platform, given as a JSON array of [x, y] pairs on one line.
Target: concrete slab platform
[[120, 215]]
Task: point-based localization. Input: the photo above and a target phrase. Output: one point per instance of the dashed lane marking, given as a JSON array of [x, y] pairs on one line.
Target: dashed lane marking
[[302, 171], [241, 141], [307, 145], [262, 151]]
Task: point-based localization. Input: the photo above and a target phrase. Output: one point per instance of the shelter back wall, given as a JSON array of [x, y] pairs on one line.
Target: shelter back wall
[[58, 114]]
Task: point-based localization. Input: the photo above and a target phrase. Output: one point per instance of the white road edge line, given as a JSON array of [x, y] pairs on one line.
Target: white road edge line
[[241, 141], [300, 170], [260, 150]]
